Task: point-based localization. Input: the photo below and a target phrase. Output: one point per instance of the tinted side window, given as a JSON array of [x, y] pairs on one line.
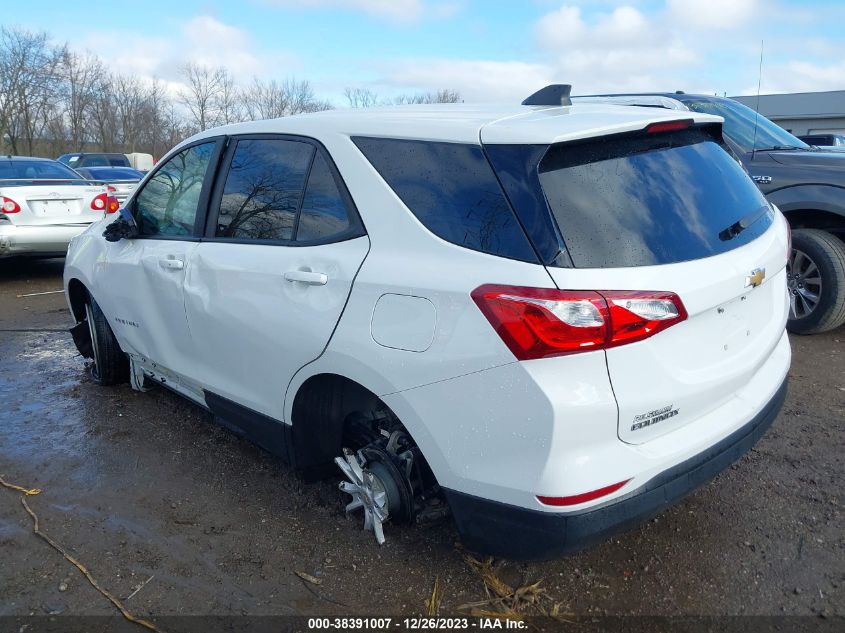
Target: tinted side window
[[451, 189], [324, 213], [167, 205], [263, 189]]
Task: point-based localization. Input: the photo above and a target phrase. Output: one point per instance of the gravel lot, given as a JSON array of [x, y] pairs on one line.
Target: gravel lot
[[141, 486]]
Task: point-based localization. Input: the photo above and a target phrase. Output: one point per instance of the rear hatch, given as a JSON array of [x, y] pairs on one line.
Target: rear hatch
[[53, 202], [670, 211]]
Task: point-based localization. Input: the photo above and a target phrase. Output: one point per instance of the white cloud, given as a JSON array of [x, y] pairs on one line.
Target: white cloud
[[714, 14], [203, 40], [616, 51], [803, 76], [476, 80], [398, 10]]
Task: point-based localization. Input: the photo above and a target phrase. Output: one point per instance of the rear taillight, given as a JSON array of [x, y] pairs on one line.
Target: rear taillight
[[544, 322], [638, 315], [9, 205], [112, 204], [99, 203]]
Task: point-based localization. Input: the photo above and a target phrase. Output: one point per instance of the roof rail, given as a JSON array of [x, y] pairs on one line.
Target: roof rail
[[551, 95]]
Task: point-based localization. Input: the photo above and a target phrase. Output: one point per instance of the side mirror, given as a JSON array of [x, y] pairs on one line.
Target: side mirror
[[124, 227]]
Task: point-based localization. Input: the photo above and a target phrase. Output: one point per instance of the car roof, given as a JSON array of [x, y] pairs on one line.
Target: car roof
[[28, 158], [463, 123]]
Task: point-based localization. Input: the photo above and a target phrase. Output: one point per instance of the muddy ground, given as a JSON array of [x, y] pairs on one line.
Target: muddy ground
[[145, 486]]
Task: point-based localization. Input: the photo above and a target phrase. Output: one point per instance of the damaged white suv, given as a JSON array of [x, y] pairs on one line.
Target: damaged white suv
[[552, 320]]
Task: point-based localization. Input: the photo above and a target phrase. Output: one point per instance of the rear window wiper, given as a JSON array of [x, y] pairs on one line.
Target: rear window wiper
[[780, 148], [743, 223]]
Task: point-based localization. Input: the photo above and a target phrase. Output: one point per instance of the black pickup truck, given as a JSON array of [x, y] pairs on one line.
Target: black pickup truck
[[806, 183]]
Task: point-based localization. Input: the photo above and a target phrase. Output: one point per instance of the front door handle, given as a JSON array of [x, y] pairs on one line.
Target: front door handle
[[171, 263], [307, 277]]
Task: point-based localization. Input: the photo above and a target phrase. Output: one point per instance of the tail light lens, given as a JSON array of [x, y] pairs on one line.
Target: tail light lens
[[668, 126], [112, 204], [543, 322], [583, 497], [99, 203], [9, 205]]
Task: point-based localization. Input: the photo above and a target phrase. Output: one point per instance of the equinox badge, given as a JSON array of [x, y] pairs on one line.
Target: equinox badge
[[755, 278]]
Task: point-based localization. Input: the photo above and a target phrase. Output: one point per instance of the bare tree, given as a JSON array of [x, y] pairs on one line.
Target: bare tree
[[366, 98], [103, 125], [154, 118], [130, 99], [27, 73], [202, 95], [79, 74], [361, 97], [441, 96], [271, 99]]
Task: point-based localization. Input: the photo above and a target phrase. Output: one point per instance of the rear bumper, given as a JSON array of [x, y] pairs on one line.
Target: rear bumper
[[50, 239], [519, 533]]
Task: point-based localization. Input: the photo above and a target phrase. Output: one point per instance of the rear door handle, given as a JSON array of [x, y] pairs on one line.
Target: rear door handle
[[307, 277], [171, 264]]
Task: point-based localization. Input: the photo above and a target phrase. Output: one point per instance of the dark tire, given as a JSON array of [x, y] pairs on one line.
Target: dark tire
[[816, 280], [111, 366]]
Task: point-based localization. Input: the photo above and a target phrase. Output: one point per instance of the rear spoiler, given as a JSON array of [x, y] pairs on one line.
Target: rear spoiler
[[645, 101]]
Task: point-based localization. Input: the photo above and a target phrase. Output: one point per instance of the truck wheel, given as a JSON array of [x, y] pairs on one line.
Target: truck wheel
[[816, 281], [111, 366]]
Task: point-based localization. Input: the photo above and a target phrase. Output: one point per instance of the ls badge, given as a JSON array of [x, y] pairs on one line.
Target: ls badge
[[755, 278]]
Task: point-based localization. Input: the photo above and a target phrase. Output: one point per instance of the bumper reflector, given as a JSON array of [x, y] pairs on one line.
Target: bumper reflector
[[583, 497]]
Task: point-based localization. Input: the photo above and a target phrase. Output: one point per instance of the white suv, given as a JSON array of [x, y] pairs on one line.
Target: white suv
[[553, 320]]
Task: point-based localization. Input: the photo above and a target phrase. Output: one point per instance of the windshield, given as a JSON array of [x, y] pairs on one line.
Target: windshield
[[739, 125]]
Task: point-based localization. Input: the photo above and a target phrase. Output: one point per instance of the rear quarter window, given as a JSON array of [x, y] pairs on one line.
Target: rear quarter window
[[453, 192], [649, 201]]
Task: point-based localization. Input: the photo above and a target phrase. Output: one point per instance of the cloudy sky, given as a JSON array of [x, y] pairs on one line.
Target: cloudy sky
[[493, 50]]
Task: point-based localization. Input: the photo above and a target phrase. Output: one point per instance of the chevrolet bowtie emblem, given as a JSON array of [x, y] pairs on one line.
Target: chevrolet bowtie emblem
[[755, 278]]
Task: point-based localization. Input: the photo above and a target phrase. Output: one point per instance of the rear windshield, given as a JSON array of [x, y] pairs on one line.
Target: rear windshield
[[653, 199], [36, 170], [111, 173]]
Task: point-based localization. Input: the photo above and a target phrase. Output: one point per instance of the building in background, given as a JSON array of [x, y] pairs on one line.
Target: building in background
[[803, 112]]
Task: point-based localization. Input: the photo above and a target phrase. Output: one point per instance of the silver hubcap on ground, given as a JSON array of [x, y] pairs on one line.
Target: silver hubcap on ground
[[367, 492], [804, 282], [89, 314]]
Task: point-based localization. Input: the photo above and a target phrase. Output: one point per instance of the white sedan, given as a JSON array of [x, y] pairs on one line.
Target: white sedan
[[44, 205]]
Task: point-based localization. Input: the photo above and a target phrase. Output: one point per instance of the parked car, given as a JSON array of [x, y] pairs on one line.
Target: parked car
[[553, 321], [825, 141], [806, 184], [119, 181], [44, 205], [94, 159]]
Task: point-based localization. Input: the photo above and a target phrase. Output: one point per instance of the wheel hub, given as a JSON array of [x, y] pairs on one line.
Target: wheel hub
[[368, 492], [804, 284]]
